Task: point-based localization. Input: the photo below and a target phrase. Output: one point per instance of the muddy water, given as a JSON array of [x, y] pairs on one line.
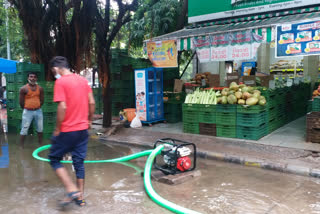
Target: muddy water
[[30, 186]]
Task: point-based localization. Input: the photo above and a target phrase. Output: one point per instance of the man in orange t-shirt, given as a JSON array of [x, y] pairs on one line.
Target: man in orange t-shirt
[[31, 99], [76, 107]]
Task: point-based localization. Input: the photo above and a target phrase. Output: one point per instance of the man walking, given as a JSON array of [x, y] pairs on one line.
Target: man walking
[[76, 107], [31, 99]]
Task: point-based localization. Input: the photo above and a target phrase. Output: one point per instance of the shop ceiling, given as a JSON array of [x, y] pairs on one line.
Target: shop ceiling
[[263, 26]]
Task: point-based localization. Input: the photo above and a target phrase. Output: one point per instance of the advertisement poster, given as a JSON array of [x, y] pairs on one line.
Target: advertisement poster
[[163, 54], [202, 45], [240, 52], [219, 53], [299, 39], [140, 84]]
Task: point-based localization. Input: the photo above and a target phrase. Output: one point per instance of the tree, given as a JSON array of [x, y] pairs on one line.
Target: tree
[[108, 25], [58, 27]]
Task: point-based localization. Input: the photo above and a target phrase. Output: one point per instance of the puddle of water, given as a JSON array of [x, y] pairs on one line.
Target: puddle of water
[[30, 186]]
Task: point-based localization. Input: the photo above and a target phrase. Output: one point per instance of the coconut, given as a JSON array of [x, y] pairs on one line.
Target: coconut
[[225, 92], [234, 86], [246, 95], [241, 102], [257, 92], [245, 89], [262, 98], [242, 86], [262, 102], [238, 95], [256, 95], [252, 101], [250, 89], [232, 99], [219, 100], [224, 100]]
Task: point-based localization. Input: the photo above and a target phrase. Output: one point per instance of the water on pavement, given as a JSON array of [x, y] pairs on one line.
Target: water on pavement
[[29, 186]]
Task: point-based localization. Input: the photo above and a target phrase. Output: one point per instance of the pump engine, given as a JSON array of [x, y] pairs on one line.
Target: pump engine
[[177, 156]]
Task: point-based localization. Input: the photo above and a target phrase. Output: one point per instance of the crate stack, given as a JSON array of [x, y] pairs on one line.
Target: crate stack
[[173, 106], [226, 120], [190, 118], [122, 79], [208, 120], [252, 122], [97, 93], [49, 110], [169, 75], [13, 84]]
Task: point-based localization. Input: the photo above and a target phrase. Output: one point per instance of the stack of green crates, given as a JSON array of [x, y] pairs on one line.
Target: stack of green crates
[[169, 75], [199, 119], [13, 84], [122, 79], [251, 122], [226, 120], [98, 98], [173, 106], [49, 109]]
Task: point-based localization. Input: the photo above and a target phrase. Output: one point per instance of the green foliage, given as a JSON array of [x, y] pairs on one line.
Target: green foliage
[[154, 18], [15, 32]]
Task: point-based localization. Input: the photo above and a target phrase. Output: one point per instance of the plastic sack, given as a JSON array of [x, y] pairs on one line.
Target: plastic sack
[[136, 122]]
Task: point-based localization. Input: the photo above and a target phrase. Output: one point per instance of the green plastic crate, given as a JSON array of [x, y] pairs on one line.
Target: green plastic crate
[[122, 84], [192, 107], [172, 108], [226, 108], [272, 113], [225, 118], [316, 104], [24, 67], [191, 128], [49, 107], [250, 109], [252, 133], [209, 108], [207, 117], [15, 113], [10, 78], [251, 120], [49, 116], [127, 76], [12, 104], [226, 131], [12, 87], [173, 118], [190, 117], [12, 95]]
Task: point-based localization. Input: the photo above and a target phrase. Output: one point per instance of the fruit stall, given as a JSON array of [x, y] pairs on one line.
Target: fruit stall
[[244, 112]]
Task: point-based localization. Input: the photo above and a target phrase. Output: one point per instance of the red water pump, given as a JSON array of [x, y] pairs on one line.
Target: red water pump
[[177, 156]]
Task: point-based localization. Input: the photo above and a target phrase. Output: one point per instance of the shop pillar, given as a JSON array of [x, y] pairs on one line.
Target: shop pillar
[[311, 68], [222, 72], [264, 58]]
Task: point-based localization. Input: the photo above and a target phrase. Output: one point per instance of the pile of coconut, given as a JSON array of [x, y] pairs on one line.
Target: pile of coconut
[[242, 95]]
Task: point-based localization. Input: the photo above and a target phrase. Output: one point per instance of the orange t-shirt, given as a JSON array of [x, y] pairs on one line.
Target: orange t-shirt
[[73, 90], [32, 98]]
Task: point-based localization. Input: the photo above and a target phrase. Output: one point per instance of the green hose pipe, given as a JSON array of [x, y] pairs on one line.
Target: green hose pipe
[[152, 194], [36, 152]]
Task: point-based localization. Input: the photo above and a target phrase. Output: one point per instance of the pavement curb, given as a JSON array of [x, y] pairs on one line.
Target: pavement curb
[[250, 162]]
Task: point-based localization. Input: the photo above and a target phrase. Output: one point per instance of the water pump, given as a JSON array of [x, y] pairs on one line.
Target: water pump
[[176, 157]]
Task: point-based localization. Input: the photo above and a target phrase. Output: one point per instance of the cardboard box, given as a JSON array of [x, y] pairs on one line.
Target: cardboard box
[[264, 81], [232, 76], [178, 85], [249, 80], [214, 80]]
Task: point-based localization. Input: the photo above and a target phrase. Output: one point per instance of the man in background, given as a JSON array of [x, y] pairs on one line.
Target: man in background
[[75, 111], [31, 99]]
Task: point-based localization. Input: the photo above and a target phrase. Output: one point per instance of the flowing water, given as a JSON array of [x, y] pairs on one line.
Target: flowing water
[[30, 186]]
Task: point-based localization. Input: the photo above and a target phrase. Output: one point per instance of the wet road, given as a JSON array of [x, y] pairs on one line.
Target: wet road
[[30, 186]]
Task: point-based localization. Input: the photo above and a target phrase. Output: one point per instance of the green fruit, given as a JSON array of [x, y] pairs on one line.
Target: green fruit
[[252, 101], [241, 102], [262, 102], [238, 95], [224, 100], [262, 98], [232, 99], [244, 89]]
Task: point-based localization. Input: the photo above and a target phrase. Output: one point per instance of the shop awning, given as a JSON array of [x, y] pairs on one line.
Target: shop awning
[[264, 27], [7, 66]]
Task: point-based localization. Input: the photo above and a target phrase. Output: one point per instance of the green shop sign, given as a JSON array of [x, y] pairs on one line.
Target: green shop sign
[[204, 10]]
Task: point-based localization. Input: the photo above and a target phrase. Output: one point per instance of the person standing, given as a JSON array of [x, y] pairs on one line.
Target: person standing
[[75, 111], [31, 99]]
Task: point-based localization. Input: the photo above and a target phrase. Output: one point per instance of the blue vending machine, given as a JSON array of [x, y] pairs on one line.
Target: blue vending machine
[[149, 94]]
